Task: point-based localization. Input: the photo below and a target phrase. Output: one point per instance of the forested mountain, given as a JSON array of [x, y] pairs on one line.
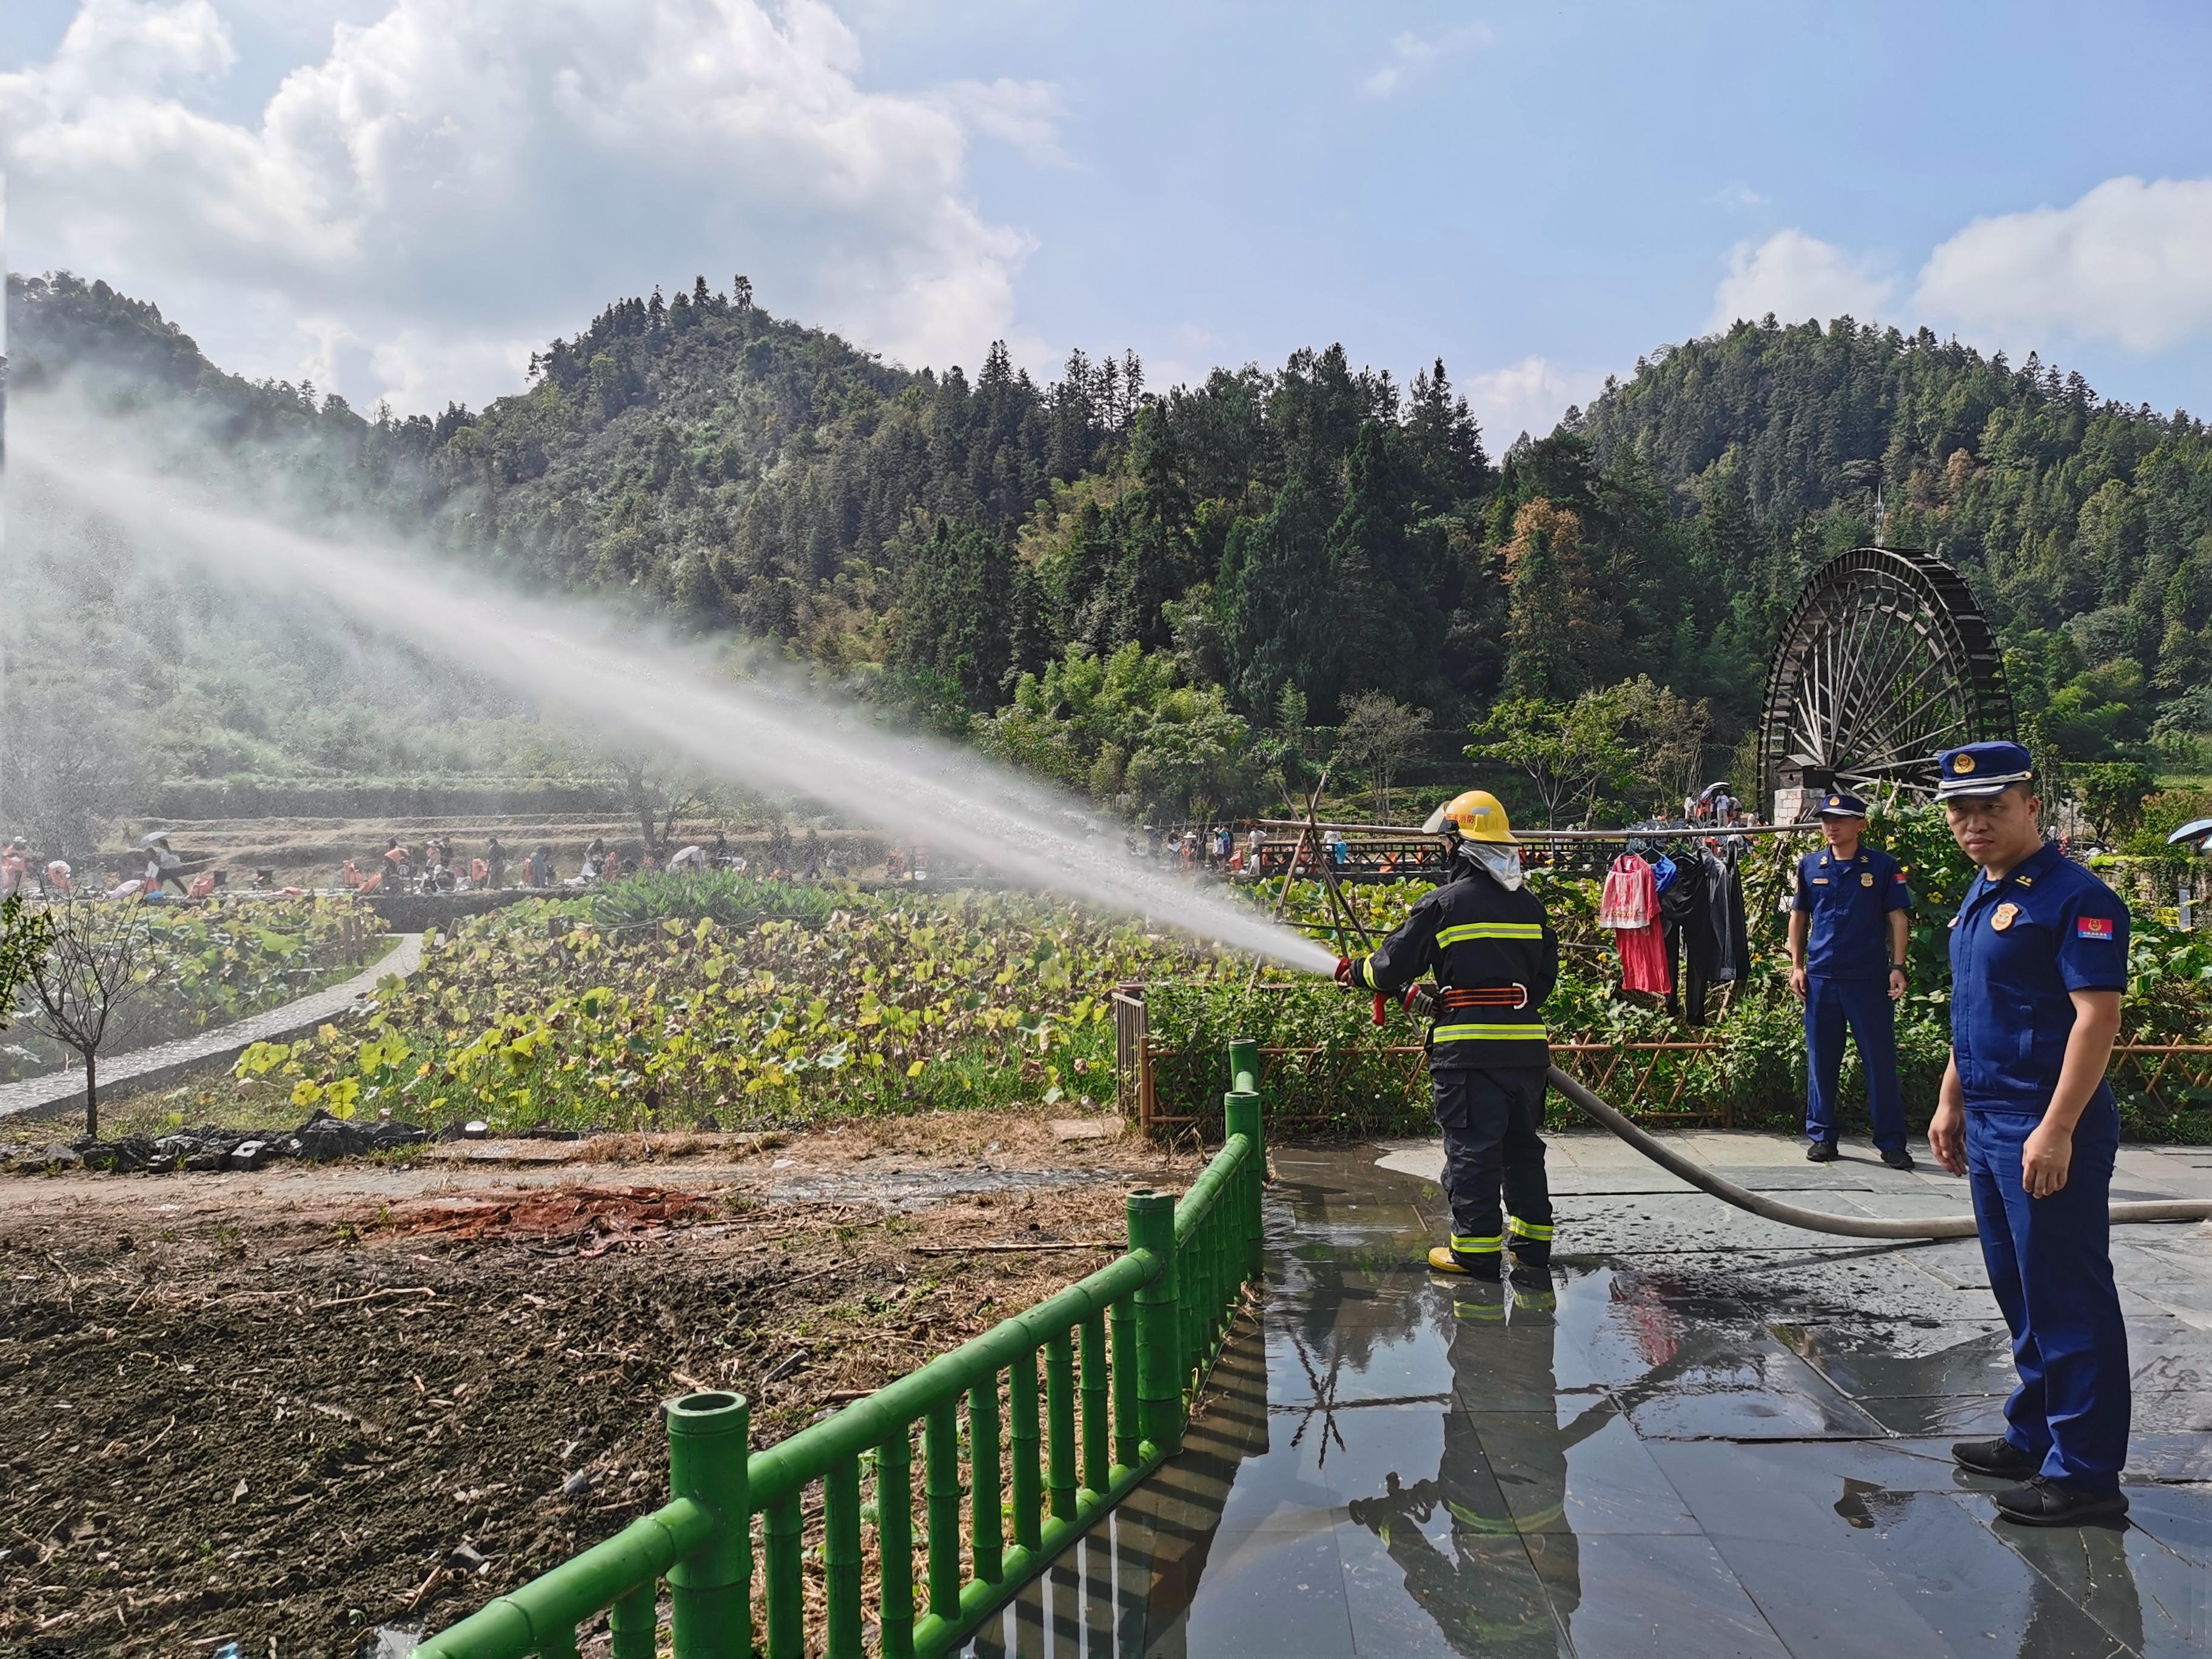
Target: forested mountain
[[2085, 526], [1165, 597]]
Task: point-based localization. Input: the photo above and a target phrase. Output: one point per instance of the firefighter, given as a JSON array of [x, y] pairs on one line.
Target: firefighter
[[1484, 937]]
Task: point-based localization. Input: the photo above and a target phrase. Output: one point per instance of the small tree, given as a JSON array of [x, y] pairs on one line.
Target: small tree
[[658, 797], [89, 974], [1378, 734], [1569, 750], [2113, 793]]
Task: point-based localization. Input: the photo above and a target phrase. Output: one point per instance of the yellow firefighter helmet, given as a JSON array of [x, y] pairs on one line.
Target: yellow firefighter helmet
[[1475, 815]]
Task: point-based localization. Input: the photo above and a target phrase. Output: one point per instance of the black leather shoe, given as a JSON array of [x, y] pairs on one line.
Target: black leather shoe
[[1821, 1151], [1999, 1457], [1900, 1159], [2046, 1503]]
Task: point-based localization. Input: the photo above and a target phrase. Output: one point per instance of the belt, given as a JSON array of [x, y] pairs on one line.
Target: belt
[[1483, 996]]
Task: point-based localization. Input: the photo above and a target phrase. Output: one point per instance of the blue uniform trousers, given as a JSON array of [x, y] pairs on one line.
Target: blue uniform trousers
[[1864, 1005], [2050, 1266]]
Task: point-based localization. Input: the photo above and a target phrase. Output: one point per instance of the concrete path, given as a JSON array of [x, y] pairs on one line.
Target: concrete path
[[147, 1068], [1700, 1435]]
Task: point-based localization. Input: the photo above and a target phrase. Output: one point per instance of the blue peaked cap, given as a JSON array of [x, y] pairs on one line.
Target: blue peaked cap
[[1841, 804], [1981, 768]]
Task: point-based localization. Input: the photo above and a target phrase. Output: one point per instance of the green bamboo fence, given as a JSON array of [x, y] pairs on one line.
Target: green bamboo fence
[[1124, 1354]]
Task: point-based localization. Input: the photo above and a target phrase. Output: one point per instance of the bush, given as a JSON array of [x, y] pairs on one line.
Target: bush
[[722, 897]]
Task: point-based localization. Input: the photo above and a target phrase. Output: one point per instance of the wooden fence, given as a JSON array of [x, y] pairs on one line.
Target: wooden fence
[[2164, 1088]]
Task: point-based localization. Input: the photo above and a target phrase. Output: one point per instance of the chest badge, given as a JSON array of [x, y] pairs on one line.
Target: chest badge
[[1865, 881], [2002, 917]]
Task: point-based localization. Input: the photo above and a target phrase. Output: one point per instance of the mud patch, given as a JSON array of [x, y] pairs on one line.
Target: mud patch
[[582, 1216]]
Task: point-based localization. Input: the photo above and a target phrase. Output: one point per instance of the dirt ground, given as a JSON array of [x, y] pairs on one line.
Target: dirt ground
[[287, 1407]]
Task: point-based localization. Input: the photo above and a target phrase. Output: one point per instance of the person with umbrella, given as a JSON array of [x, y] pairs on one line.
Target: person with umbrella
[[163, 864]]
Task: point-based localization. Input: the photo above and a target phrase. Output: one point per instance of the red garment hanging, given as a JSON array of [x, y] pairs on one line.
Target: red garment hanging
[[1630, 907], [1643, 961]]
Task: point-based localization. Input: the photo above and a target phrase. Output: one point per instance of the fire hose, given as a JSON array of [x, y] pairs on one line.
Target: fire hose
[[1822, 1221], [1420, 1000]]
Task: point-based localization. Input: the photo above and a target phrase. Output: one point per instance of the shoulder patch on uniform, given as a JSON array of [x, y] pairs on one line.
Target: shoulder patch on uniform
[[2092, 927], [1900, 878]]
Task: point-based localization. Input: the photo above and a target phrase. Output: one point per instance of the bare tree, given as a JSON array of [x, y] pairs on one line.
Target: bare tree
[[88, 976], [1378, 734]]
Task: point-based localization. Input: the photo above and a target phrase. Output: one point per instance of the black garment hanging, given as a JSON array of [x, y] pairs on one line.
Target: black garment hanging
[[1692, 942]]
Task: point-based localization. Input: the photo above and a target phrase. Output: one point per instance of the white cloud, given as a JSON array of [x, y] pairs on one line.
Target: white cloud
[[1736, 194], [1024, 115], [1412, 56], [2130, 262], [1528, 396], [1797, 276], [456, 176]]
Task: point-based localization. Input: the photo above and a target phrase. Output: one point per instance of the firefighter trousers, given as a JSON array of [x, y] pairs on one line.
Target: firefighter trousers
[[1491, 1120]]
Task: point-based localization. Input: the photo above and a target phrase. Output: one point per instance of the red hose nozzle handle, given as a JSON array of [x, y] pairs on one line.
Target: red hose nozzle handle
[[1381, 1004]]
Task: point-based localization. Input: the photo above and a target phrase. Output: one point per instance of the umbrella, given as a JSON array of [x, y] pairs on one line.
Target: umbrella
[[153, 837], [2200, 831]]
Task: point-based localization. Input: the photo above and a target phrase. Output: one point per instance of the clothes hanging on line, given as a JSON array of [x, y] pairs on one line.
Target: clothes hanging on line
[[1630, 907], [1631, 898]]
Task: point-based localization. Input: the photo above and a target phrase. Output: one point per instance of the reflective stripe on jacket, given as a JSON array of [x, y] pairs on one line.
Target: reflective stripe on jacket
[[1471, 934]]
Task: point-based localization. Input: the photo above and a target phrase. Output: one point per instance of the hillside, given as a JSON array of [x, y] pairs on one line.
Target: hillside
[[1169, 598]]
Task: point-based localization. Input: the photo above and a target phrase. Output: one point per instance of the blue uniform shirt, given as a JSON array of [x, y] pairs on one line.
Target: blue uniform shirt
[[2018, 947], [1849, 901]]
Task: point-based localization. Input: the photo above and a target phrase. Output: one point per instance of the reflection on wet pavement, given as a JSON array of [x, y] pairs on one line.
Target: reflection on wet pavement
[[1704, 1436]]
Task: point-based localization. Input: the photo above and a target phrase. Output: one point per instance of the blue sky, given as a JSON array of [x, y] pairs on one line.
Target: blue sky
[[403, 206]]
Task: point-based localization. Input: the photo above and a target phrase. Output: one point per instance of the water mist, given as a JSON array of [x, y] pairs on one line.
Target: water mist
[[567, 656]]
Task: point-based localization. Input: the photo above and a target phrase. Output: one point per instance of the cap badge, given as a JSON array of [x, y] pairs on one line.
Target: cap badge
[[2002, 919], [1962, 762], [1835, 800]]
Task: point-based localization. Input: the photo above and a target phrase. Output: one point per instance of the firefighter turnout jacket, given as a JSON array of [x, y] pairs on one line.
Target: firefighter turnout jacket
[[1495, 960]]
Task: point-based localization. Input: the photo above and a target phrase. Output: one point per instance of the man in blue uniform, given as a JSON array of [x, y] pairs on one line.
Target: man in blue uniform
[[1847, 966], [2038, 962]]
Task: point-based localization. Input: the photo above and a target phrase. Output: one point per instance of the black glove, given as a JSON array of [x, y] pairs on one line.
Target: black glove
[[1344, 970]]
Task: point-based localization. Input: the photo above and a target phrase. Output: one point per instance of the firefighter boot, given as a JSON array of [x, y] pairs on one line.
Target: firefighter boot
[[1481, 1262]]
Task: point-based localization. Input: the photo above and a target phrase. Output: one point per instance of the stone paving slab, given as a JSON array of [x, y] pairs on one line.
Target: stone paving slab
[[1701, 1436], [152, 1067]]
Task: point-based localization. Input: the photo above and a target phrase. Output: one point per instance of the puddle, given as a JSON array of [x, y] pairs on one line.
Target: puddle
[[1721, 1444]]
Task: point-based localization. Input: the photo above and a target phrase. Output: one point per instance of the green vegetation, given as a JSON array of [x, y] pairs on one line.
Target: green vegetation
[[882, 1006], [209, 963], [24, 936], [1758, 1078], [724, 897], [1147, 597]]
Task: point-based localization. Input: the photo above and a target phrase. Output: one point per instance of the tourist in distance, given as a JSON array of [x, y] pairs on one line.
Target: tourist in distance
[[1486, 936], [1847, 966], [2039, 964]]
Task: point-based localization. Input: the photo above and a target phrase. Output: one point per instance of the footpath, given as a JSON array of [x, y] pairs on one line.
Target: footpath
[[151, 1067]]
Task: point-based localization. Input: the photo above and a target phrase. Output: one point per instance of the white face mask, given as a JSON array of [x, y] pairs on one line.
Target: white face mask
[[1501, 862]]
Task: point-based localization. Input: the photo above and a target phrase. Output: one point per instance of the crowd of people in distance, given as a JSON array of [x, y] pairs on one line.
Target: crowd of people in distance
[[148, 871], [432, 867]]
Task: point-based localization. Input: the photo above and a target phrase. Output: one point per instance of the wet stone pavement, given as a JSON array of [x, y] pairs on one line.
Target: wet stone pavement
[[1707, 1435]]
